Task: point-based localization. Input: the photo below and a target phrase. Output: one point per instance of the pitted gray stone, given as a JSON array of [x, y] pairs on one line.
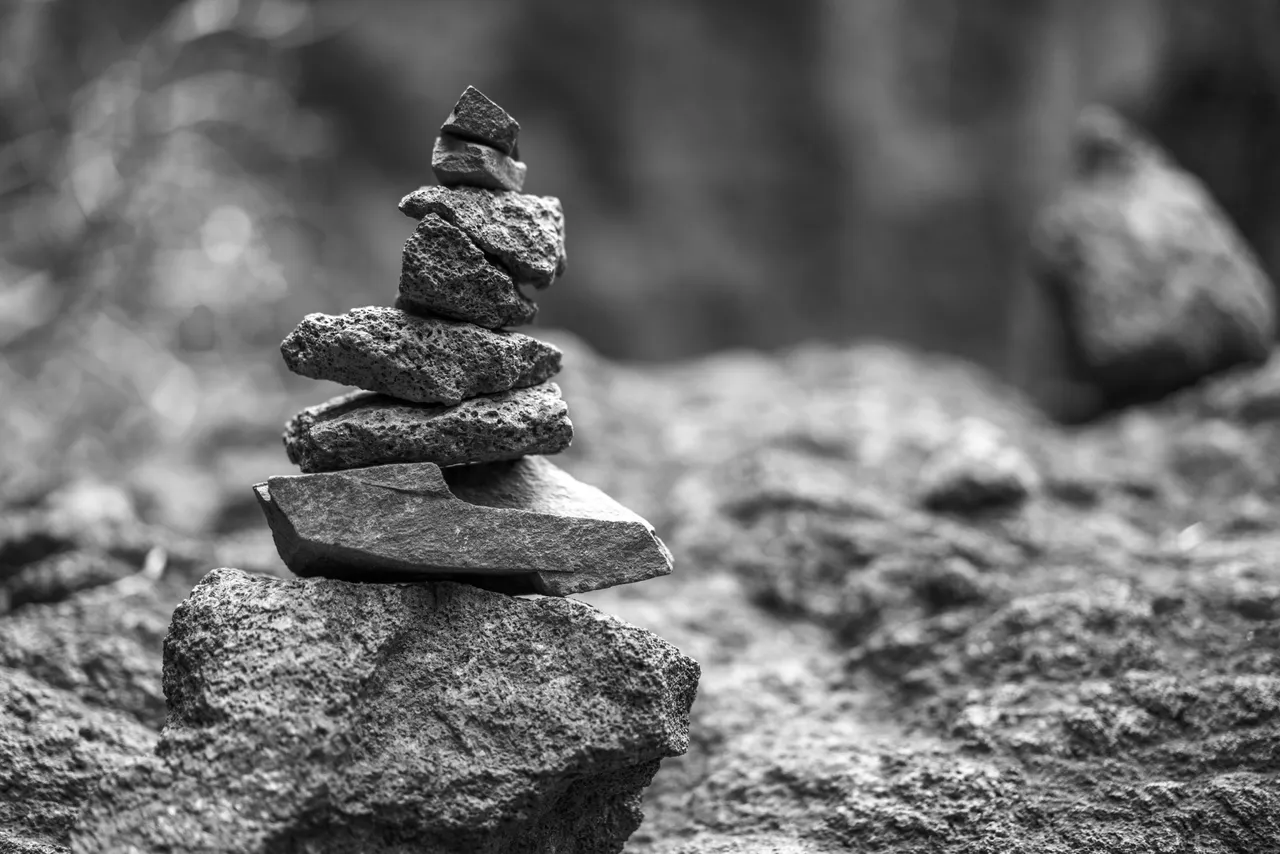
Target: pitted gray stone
[[419, 359], [477, 118], [443, 272], [366, 429], [525, 233], [459, 163]]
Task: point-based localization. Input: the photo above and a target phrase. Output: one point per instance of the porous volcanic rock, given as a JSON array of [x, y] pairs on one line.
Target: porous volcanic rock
[[475, 117], [444, 273], [524, 233], [54, 747], [319, 715], [521, 527], [457, 162], [1154, 287], [367, 429], [419, 359]]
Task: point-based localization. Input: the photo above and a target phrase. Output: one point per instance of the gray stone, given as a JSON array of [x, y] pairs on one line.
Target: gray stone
[[54, 748], [367, 429], [444, 273], [318, 715], [478, 119], [1154, 287], [519, 527], [419, 359], [524, 233], [979, 468], [459, 163]]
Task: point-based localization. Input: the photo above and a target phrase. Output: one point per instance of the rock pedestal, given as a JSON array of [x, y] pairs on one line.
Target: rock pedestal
[[318, 715]]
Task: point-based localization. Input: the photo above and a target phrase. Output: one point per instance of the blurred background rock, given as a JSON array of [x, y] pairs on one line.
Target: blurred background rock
[[182, 182]]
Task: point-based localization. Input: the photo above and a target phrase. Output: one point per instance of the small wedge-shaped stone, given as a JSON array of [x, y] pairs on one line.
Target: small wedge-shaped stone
[[525, 233], [367, 429], [444, 273], [419, 359], [459, 163], [478, 119], [516, 527]]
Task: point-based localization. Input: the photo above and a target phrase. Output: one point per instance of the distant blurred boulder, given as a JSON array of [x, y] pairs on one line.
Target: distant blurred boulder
[[1152, 287]]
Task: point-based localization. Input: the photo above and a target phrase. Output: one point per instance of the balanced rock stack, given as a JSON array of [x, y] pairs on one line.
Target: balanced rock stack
[[430, 471], [439, 714]]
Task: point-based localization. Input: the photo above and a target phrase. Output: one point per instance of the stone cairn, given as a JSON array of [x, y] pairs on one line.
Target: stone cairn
[[435, 468]]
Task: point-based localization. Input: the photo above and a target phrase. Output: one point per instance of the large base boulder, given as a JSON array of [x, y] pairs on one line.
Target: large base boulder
[[324, 716]]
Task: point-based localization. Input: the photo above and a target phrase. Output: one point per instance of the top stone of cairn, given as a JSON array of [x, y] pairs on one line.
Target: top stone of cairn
[[478, 119]]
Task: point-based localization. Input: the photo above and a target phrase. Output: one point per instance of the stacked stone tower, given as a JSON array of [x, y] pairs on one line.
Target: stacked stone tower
[[434, 468]]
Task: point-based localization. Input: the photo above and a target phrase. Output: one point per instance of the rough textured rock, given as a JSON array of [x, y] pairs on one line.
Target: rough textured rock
[[1153, 285], [479, 119], [325, 716], [367, 429], [524, 233], [522, 526], [978, 468], [53, 750], [419, 359], [458, 163], [444, 273]]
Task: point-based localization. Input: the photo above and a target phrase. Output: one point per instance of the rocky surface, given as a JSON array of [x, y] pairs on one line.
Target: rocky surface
[[524, 233], [1154, 287], [325, 716], [366, 429], [418, 359], [406, 522], [457, 162], [444, 273], [479, 119], [1089, 669]]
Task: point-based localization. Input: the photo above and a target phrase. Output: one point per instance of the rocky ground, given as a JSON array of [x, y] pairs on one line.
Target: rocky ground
[[927, 618]]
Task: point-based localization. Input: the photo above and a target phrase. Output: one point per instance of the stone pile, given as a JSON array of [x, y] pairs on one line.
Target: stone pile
[[324, 715], [432, 469]]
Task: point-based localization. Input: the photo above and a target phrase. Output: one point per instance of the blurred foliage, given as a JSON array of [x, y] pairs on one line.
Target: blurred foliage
[[181, 182]]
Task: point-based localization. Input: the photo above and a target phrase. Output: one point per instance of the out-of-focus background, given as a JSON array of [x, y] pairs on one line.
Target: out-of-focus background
[[181, 182]]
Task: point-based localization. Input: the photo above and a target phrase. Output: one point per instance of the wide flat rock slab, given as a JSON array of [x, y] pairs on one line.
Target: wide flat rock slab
[[319, 715], [419, 359], [1152, 285], [444, 273], [477, 118], [366, 429], [525, 233], [458, 163], [519, 527]]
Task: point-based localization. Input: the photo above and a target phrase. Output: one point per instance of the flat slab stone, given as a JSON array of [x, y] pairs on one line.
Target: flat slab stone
[[1153, 286], [518, 527], [524, 233], [457, 162], [321, 716], [419, 359], [443, 272], [477, 118], [366, 429]]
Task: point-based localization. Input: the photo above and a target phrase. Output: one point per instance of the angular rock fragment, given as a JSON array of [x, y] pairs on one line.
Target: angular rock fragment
[[518, 527], [478, 119], [1154, 287], [457, 162], [317, 715], [979, 469], [525, 233], [365, 429], [419, 359], [444, 273]]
